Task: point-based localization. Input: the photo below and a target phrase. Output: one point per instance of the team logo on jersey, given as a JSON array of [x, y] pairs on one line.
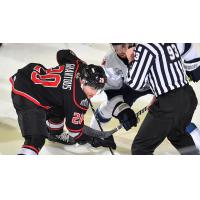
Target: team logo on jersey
[[85, 103]]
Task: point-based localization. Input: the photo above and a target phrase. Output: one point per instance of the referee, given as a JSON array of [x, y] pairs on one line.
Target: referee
[[159, 66]]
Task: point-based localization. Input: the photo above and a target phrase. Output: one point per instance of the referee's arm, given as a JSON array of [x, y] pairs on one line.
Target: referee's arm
[[139, 68]]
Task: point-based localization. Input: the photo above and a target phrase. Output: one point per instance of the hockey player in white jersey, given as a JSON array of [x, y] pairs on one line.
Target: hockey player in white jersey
[[191, 60], [120, 97]]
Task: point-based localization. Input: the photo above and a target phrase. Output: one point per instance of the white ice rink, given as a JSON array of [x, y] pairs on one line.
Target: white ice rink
[[14, 56]]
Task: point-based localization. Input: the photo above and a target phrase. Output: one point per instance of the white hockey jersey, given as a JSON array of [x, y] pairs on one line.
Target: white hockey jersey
[[190, 55], [187, 51], [115, 70]]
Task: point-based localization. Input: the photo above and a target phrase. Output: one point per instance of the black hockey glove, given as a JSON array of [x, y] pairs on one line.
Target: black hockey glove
[[97, 142], [108, 142], [125, 115]]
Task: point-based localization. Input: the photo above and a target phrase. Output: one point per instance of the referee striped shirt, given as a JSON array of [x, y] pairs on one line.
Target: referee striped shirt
[[158, 66]]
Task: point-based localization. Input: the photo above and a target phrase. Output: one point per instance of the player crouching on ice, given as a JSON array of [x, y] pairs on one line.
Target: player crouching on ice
[[91, 136], [44, 97]]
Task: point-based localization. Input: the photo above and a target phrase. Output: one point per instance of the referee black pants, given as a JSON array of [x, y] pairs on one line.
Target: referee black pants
[[168, 117]]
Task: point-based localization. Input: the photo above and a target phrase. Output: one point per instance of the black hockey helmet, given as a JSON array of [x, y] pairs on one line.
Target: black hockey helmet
[[94, 76]]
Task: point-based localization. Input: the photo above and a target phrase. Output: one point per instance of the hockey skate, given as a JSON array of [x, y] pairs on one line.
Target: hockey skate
[[66, 139], [62, 138]]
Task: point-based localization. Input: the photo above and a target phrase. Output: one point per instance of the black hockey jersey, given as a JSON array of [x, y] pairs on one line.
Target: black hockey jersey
[[52, 88]]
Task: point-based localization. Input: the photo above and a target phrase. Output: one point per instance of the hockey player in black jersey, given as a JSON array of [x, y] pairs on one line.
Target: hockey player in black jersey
[[57, 134], [38, 92], [115, 65]]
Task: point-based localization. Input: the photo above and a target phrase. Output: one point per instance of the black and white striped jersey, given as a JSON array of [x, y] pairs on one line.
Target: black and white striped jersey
[[157, 65]]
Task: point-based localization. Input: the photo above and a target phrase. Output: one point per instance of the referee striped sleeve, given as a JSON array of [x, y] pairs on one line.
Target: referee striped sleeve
[[159, 65], [139, 69]]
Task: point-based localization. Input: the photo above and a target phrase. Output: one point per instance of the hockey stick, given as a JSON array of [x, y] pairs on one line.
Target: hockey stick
[[137, 115], [141, 111], [99, 123], [104, 134]]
